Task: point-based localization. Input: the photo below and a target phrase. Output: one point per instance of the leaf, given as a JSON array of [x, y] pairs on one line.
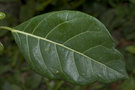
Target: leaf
[[71, 46], [131, 49], [2, 15], [128, 84], [1, 47]]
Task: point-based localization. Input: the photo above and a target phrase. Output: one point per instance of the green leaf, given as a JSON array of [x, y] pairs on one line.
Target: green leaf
[[131, 49], [128, 84], [2, 15], [1, 47], [71, 46]]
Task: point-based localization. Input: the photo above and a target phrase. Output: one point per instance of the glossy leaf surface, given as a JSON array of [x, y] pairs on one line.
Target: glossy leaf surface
[[70, 45]]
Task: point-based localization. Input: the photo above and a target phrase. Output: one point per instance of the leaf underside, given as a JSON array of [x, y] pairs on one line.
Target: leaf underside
[[71, 46]]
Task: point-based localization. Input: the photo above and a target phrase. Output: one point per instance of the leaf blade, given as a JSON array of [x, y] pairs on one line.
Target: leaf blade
[[65, 61]]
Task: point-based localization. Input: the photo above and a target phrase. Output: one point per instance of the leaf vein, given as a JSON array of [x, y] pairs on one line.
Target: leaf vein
[[28, 24], [87, 31], [75, 36], [19, 38], [56, 27], [60, 61], [64, 47], [29, 50], [77, 67], [42, 56], [41, 22], [91, 48]]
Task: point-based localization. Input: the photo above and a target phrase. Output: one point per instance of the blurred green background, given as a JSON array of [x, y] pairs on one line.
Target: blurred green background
[[117, 15]]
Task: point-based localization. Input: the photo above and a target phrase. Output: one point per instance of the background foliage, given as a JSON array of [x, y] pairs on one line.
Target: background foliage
[[117, 15]]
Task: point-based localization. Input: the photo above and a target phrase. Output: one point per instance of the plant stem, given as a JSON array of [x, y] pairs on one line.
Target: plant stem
[[7, 28]]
